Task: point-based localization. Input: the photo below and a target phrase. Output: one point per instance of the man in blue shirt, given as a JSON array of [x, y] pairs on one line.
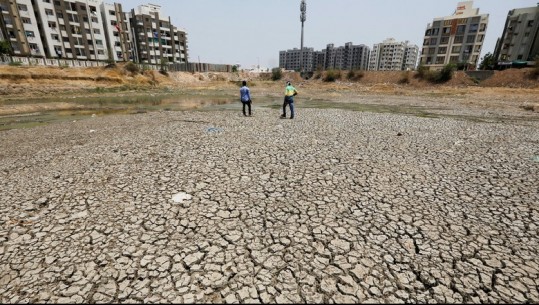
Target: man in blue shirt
[[245, 94]]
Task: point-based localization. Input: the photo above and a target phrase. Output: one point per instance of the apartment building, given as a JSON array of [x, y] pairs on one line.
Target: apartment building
[[347, 57], [155, 37], [91, 30], [118, 32], [19, 26], [319, 59], [392, 55], [290, 59], [520, 38], [455, 39]]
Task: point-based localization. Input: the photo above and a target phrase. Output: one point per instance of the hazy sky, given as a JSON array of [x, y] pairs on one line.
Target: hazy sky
[[252, 32]]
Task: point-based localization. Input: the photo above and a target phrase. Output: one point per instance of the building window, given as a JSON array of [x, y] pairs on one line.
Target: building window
[[440, 60], [442, 50], [26, 20], [444, 40], [456, 49], [473, 28], [482, 27], [461, 29], [470, 39], [458, 39], [49, 12], [432, 51], [427, 33], [435, 31], [453, 59], [530, 23], [480, 38], [433, 41], [22, 7], [30, 34]]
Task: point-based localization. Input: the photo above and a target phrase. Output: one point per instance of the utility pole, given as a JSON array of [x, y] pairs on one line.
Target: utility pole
[[303, 18]]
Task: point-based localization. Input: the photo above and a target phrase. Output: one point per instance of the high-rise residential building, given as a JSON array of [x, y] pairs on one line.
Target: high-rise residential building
[[392, 55], [71, 29], [347, 57], [20, 27], [117, 31], [455, 39], [155, 37], [356, 57], [520, 38], [290, 59], [319, 59], [91, 30]]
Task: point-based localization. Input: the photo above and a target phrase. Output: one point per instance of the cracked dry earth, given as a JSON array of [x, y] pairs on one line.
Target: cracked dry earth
[[335, 206]]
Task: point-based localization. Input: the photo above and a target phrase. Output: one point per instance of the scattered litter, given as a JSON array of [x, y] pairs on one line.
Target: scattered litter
[[94, 115], [535, 159], [92, 130], [180, 197], [213, 130]]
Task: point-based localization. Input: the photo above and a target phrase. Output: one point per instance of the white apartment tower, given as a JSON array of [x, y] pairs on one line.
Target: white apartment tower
[[90, 30], [117, 32], [72, 29], [392, 55], [20, 27], [455, 39]]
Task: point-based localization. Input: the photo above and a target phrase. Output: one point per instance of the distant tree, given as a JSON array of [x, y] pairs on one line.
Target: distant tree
[[5, 47], [234, 68], [488, 62]]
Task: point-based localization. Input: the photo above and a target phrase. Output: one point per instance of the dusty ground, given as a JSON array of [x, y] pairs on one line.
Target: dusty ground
[[512, 88]]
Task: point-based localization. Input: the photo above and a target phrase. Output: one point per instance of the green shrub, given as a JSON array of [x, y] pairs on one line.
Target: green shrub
[[15, 63], [446, 74], [332, 75], [276, 74], [132, 68], [441, 76]]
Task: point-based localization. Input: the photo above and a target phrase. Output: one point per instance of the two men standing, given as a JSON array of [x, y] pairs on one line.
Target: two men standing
[[290, 92]]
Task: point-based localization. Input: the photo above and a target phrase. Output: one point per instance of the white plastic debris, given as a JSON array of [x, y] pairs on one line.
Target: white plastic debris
[[92, 131], [180, 197]]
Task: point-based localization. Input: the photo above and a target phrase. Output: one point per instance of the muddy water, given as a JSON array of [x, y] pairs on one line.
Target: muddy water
[[33, 113]]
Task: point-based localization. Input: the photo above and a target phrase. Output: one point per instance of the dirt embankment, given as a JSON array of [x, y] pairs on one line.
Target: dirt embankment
[[24, 82]]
